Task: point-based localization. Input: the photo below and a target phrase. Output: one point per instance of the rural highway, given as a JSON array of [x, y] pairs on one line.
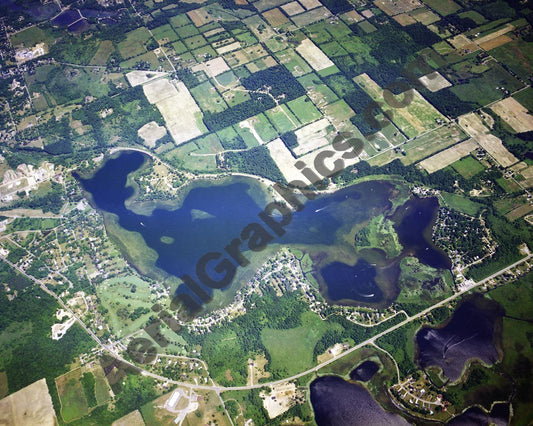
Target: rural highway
[[219, 389]]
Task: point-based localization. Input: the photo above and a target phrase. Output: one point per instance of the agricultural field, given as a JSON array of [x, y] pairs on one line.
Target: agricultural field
[[134, 45], [417, 117], [31, 405], [448, 156], [468, 167], [514, 114], [443, 7]]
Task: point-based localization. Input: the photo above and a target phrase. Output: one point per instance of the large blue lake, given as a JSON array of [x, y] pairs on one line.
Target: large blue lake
[[208, 215]]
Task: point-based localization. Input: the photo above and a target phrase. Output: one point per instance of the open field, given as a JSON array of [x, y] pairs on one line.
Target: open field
[[424, 16], [284, 160], [423, 146], [294, 62], [448, 156], [200, 16], [275, 17], [311, 137], [304, 110], [415, 118], [461, 204], [525, 97], [306, 18], [443, 7], [182, 115], [282, 119], [434, 81], [473, 125], [135, 78], [72, 396], [105, 48], [132, 419], [517, 55], [468, 167], [397, 7], [30, 406], [208, 98], [291, 350], [213, 67], [514, 114], [313, 55], [165, 34], [243, 56], [134, 43], [151, 132]]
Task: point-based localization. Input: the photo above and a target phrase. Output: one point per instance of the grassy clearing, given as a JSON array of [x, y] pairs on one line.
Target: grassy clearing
[[461, 204], [291, 350], [105, 48], [443, 7], [28, 37], [380, 233], [208, 98], [468, 167], [134, 44], [282, 119], [164, 34], [304, 110], [72, 396], [415, 118]]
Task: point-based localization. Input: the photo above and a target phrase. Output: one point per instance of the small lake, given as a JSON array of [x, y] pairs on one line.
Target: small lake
[[470, 334], [337, 402], [364, 371]]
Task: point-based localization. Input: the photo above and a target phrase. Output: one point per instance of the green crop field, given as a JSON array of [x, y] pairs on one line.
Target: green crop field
[[72, 396], [164, 34], [443, 7], [180, 20], [468, 167], [282, 119], [195, 41], [179, 47], [187, 31], [134, 44], [105, 48], [304, 109], [208, 98]]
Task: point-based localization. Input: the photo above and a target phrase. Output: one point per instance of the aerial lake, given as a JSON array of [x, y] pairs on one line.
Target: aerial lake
[[470, 334], [338, 402], [207, 215]]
